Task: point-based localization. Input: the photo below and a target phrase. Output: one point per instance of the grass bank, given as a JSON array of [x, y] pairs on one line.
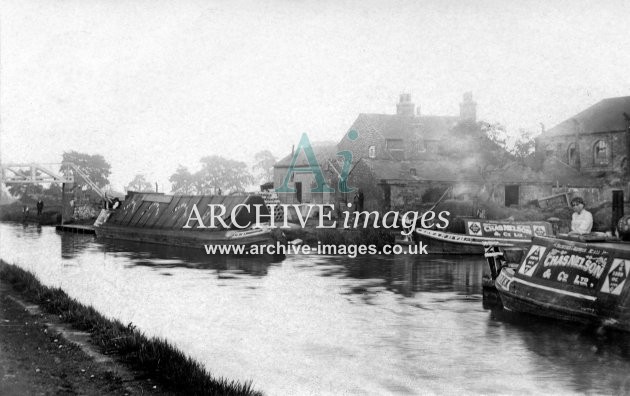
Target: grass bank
[[51, 215], [156, 357]]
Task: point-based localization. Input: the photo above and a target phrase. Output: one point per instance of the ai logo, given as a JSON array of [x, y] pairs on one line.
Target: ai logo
[[316, 170]]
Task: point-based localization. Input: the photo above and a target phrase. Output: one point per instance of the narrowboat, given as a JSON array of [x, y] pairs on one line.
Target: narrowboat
[[174, 220], [570, 280], [478, 233]]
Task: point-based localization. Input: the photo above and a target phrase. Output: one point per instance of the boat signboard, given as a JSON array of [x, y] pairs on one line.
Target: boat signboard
[[508, 229], [573, 265]]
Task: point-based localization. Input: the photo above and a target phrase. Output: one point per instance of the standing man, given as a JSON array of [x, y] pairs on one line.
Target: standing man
[[40, 207], [582, 219], [360, 200]]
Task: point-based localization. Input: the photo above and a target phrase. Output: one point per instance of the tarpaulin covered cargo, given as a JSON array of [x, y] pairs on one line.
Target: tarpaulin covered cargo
[[159, 211], [175, 220]]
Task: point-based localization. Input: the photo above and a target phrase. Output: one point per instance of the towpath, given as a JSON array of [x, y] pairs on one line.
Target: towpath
[[36, 358]]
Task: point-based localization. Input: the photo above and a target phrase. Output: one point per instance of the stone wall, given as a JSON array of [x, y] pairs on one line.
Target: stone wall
[[585, 143]]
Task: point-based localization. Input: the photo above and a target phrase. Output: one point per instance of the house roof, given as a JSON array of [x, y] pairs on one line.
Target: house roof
[[558, 172], [425, 171], [394, 126], [323, 151], [554, 172], [517, 173], [606, 115], [436, 126]]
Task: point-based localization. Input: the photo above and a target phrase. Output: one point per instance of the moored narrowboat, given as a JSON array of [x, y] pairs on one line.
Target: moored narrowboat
[[570, 280], [183, 220], [479, 233]]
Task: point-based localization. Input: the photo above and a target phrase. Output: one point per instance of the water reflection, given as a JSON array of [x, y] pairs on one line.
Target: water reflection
[[407, 275], [327, 324], [74, 244], [160, 256], [583, 354]]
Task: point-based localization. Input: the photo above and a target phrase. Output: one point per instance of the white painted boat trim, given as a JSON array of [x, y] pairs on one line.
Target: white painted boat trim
[[568, 293], [468, 239]]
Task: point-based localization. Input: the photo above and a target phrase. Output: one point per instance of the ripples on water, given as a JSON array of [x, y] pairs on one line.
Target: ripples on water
[[327, 324]]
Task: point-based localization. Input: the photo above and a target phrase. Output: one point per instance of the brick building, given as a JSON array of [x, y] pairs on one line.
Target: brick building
[[406, 135], [392, 155], [407, 160], [304, 182], [594, 142]]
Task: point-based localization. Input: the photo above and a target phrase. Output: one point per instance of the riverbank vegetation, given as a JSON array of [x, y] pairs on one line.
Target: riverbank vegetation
[[154, 356], [51, 214]]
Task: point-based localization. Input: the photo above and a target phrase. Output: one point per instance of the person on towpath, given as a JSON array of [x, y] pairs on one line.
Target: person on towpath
[[358, 201], [582, 219]]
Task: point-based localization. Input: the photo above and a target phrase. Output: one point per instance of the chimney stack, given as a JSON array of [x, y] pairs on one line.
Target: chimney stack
[[405, 106], [468, 108]]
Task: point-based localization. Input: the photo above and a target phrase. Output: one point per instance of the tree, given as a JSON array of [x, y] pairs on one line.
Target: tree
[[228, 175], [52, 194], [217, 173], [494, 147], [480, 146], [184, 182], [477, 145], [139, 184], [524, 146], [520, 145], [263, 166], [95, 166], [20, 191]]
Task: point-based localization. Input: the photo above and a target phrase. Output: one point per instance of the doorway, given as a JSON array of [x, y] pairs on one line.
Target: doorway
[[298, 191], [511, 195]]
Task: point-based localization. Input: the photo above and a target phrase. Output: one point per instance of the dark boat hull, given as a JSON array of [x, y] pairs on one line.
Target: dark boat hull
[[195, 239], [439, 242], [546, 304], [570, 281]]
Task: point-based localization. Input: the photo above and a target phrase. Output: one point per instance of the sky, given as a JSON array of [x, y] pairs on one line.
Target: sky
[[154, 84]]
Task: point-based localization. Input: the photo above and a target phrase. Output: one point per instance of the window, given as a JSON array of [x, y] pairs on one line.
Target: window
[[412, 172], [572, 154], [372, 152], [600, 153], [549, 150], [394, 144], [420, 146], [396, 148]]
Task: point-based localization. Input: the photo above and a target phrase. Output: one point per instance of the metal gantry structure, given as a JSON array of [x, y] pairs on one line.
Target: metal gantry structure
[[34, 173]]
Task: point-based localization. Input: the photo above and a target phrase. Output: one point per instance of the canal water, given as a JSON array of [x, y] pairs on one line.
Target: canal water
[[327, 325]]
